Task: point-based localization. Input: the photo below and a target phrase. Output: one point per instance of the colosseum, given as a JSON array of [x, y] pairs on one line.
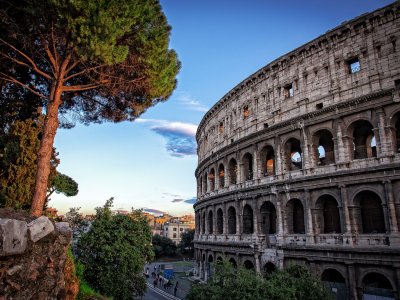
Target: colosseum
[[300, 163]]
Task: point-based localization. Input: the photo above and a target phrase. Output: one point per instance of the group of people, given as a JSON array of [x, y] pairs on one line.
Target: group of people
[[161, 280]]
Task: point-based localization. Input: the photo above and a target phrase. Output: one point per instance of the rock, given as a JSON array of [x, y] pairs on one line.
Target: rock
[[63, 228], [39, 228], [14, 270], [13, 236]]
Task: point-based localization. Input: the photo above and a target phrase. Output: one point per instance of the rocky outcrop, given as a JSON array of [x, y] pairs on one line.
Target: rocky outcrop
[[32, 256]]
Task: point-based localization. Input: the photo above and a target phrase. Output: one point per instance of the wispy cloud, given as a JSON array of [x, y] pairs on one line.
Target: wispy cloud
[[180, 137], [190, 102], [191, 200]]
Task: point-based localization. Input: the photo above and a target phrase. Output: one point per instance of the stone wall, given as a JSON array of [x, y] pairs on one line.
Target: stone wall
[[32, 256]]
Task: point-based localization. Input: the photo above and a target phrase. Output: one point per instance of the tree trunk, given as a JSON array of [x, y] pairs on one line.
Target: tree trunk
[[45, 151]]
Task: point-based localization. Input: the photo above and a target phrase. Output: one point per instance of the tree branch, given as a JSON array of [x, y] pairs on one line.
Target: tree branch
[[83, 87], [13, 80], [34, 66], [82, 72]]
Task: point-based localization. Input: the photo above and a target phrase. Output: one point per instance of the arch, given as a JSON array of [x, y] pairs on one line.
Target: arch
[[328, 214], [203, 223], [293, 155], [295, 216], [205, 183], [231, 220], [323, 147], [211, 179], [376, 284], [221, 176], [248, 226], [335, 282], [267, 156], [269, 268], [210, 222], [247, 161], [248, 265], [201, 185], [233, 262], [232, 166], [210, 258], [395, 125], [370, 218], [364, 143], [220, 221], [268, 218]]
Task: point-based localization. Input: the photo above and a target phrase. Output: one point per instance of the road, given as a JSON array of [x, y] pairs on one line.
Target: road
[[157, 294]]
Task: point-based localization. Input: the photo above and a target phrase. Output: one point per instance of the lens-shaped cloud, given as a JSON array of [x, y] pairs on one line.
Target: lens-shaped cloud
[[180, 137]]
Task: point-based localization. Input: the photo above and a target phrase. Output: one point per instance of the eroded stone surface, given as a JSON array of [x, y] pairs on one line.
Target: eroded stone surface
[[13, 235], [39, 228]]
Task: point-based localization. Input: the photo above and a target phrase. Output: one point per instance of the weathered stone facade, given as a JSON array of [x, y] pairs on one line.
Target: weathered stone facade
[[300, 162]]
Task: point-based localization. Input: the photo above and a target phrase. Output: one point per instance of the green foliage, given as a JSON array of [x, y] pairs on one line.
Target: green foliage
[[19, 159], [293, 283], [163, 246], [186, 245], [114, 252], [64, 184]]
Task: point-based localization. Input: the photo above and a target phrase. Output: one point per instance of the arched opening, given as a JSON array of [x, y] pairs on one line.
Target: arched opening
[[323, 147], [371, 214], [295, 217], [269, 268], [232, 171], [247, 166], [203, 223], [219, 260], [248, 265], [233, 262], [268, 218], [267, 156], [210, 222], [397, 133], [364, 140], [293, 155], [335, 282], [211, 179], [248, 227], [210, 266], [201, 185], [231, 220], [221, 176], [220, 221], [377, 285], [205, 183], [328, 214]]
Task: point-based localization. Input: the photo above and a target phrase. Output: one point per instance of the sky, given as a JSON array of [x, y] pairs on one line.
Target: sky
[[150, 163]]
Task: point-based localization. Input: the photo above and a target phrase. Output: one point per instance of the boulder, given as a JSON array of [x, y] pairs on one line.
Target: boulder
[[39, 228], [13, 236]]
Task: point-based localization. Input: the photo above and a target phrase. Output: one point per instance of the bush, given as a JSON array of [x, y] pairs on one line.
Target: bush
[[292, 283], [114, 252]]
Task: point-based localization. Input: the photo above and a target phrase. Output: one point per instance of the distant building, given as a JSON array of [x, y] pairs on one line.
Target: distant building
[[174, 230], [51, 212]]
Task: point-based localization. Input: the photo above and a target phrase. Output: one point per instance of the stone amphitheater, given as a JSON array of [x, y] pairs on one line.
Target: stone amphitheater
[[300, 163]]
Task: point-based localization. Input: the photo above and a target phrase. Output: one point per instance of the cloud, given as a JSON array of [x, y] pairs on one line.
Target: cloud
[[177, 200], [191, 103], [191, 200], [154, 211], [180, 137]]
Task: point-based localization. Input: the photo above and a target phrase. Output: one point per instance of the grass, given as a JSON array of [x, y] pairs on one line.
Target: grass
[[86, 292]]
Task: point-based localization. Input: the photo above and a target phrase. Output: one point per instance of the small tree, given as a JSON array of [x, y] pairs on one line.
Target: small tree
[[163, 246], [63, 184], [186, 245], [114, 252]]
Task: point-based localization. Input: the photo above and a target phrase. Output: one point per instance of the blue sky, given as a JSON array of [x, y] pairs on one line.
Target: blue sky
[[150, 163]]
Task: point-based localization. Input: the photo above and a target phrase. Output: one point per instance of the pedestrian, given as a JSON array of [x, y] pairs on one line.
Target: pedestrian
[[155, 283], [176, 288]]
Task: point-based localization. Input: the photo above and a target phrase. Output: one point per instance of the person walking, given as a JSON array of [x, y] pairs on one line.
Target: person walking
[[155, 283], [176, 288]]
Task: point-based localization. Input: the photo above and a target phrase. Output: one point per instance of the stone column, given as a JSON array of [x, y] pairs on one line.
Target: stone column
[[309, 218], [341, 150], [278, 157], [257, 261], [214, 220], [238, 218], [306, 159], [255, 216], [343, 193], [256, 168], [384, 141], [279, 214], [352, 283], [225, 219], [391, 206]]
